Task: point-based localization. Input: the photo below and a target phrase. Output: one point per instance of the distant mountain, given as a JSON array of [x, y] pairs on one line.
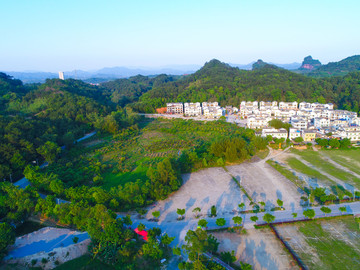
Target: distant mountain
[[340, 68], [249, 66], [310, 64], [104, 74]]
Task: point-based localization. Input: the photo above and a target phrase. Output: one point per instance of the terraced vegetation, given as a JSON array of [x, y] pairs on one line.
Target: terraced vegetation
[[325, 244]]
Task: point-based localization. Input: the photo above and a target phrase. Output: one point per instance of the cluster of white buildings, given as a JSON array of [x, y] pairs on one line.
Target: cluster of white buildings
[[309, 120], [205, 109]]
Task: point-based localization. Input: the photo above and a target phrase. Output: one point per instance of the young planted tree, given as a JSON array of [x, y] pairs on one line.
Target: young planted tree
[[254, 219], [294, 215], [280, 203], [342, 209], [357, 219], [237, 220], [268, 218], [156, 214], [326, 210], [220, 222], [262, 206], [181, 213], [202, 223], [213, 211], [309, 213], [241, 206], [197, 210]]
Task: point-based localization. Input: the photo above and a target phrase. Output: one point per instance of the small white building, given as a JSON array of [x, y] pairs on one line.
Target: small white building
[[321, 122], [294, 133], [275, 133], [288, 105], [257, 122]]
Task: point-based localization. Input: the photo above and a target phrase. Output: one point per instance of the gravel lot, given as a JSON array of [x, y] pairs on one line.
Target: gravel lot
[[213, 186]]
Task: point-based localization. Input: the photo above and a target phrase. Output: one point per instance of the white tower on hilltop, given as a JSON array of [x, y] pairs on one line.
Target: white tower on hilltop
[[61, 75]]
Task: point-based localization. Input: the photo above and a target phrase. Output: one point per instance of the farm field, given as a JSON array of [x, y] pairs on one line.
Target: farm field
[[325, 244], [258, 247]]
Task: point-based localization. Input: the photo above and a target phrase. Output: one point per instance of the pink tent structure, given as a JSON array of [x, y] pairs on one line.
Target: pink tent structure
[[142, 233]]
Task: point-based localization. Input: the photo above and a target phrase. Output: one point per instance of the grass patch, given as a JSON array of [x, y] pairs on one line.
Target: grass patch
[[84, 262], [113, 180], [316, 159], [297, 165], [333, 253], [349, 158], [288, 174]]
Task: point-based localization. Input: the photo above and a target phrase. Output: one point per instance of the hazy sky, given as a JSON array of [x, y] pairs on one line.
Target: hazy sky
[[53, 35]]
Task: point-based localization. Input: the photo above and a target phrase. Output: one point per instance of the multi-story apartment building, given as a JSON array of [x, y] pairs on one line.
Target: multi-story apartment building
[[192, 109], [288, 105], [321, 122], [299, 122], [257, 122], [268, 105], [175, 108]]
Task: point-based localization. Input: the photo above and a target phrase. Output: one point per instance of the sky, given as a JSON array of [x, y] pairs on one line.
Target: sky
[[54, 35]]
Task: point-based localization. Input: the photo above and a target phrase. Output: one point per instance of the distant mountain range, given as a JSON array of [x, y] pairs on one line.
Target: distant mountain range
[[309, 66]]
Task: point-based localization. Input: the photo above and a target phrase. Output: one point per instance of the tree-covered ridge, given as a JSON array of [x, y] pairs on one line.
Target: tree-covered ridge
[[217, 81], [341, 68]]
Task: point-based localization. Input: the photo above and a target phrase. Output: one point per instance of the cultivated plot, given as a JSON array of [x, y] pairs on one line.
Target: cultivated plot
[[325, 244], [213, 186], [258, 247]]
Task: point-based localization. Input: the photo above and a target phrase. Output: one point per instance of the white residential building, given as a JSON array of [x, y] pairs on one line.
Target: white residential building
[[294, 133], [288, 105], [213, 112], [175, 108], [257, 122], [275, 133], [192, 109], [299, 123], [321, 122]]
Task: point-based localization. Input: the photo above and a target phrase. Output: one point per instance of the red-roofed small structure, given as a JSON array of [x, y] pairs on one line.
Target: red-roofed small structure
[[143, 233]]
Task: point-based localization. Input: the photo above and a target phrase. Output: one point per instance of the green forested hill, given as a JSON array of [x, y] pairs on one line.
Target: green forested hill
[[340, 68], [217, 81]]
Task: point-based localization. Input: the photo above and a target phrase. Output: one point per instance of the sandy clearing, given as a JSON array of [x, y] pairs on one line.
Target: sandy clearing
[[258, 247], [263, 183], [213, 186]]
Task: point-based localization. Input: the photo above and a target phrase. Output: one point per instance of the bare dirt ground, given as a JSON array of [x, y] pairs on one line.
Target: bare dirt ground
[[258, 247], [213, 186], [263, 183]]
